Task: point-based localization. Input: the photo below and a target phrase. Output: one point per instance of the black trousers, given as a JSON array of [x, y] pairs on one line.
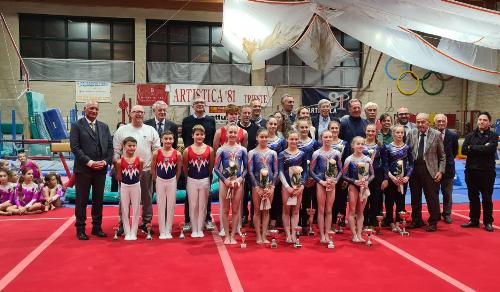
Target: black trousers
[[420, 180], [308, 198], [247, 197], [340, 202], [373, 206], [83, 182], [480, 182], [277, 205], [392, 195]]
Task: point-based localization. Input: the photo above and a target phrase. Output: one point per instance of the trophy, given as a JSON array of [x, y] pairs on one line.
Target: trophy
[[396, 228], [297, 243], [369, 231], [264, 184], [330, 174], [232, 174], [340, 217], [310, 211], [379, 228], [363, 174], [330, 239], [404, 216], [400, 173], [148, 227], [274, 240], [181, 225], [115, 237], [243, 238]]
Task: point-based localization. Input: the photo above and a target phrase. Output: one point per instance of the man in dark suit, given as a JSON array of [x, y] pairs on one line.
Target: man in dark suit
[[321, 121], [160, 123], [430, 161], [450, 143], [92, 145]]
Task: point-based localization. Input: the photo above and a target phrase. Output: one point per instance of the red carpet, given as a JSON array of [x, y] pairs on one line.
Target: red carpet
[[469, 256]]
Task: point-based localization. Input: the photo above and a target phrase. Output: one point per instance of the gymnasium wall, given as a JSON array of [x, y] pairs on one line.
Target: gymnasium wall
[[61, 94]]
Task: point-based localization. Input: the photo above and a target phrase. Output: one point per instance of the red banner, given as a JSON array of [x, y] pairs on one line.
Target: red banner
[[147, 94]]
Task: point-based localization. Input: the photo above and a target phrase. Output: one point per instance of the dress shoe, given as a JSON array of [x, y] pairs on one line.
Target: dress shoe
[[431, 228], [99, 233], [447, 219], [414, 225], [488, 227], [470, 224], [144, 229], [82, 236], [120, 231]]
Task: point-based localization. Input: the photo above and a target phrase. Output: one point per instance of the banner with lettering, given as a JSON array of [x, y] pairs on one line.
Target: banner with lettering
[[218, 96], [148, 94], [93, 90], [338, 98]]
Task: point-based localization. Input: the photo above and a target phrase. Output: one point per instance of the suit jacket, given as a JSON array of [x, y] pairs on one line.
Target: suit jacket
[[87, 145], [450, 144], [167, 125], [434, 155], [315, 123]]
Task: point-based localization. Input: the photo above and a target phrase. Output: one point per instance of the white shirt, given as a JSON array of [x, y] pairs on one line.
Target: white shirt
[[147, 141], [323, 123]]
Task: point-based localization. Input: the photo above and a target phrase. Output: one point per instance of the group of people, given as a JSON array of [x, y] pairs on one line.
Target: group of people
[[25, 191], [291, 169]]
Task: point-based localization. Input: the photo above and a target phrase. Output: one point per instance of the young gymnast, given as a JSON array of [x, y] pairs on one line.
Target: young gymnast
[[198, 162], [231, 168], [326, 169], [28, 163], [263, 170], [7, 190], [128, 172], [53, 191], [12, 176], [278, 144], [166, 170], [373, 150], [28, 194], [358, 172], [293, 175]]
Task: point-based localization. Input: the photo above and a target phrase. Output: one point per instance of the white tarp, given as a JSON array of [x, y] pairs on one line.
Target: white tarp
[[255, 31], [478, 56], [319, 48]]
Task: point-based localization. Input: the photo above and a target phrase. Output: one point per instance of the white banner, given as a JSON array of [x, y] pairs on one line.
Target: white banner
[[218, 96], [93, 90]]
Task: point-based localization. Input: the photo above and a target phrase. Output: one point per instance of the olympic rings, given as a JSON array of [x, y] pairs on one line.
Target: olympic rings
[[386, 69], [417, 82], [439, 77], [423, 78]]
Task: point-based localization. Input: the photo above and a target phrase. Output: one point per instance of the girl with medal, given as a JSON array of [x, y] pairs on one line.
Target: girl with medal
[[326, 170], [230, 166], [198, 161], [373, 149], [166, 170], [263, 170]]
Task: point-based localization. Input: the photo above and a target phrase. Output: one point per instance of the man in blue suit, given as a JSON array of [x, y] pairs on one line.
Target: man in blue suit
[[450, 142]]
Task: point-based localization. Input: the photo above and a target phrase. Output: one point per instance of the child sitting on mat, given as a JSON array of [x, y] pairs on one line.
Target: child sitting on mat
[[28, 195], [12, 176], [28, 163], [53, 191], [7, 190], [128, 172]]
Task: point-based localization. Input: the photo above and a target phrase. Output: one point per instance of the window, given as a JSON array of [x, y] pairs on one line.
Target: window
[[191, 52], [288, 68], [68, 37]]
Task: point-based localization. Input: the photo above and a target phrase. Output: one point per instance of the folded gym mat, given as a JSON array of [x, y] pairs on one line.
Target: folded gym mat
[[40, 124], [55, 124], [36, 104]]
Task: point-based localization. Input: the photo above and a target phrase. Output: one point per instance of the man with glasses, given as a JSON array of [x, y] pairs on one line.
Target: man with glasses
[[198, 118], [148, 141], [403, 119]]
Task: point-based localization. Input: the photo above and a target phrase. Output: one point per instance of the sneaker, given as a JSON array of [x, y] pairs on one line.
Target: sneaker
[[187, 227], [194, 234], [209, 226], [162, 236], [201, 234], [168, 236]]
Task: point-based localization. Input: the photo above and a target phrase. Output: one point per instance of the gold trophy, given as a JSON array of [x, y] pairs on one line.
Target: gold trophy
[[232, 173], [274, 240], [404, 216], [330, 245], [243, 238], [115, 237], [400, 173], [369, 231], [297, 244], [340, 217], [379, 228], [148, 227], [181, 225]]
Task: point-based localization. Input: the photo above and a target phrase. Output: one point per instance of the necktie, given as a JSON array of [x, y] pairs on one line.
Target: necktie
[[442, 136], [420, 153], [160, 128], [92, 126]]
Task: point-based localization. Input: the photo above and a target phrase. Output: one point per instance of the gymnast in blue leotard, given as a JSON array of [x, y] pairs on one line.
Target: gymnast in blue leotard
[[263, 170], [292, 165], [326, 169], [231, 167], [278, 144]]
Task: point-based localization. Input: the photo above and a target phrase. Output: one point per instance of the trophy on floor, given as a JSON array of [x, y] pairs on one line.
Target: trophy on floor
[[148, 227], [369, 231], [274, 236], [330, 245], [404, 216], [243, 238], [298, 230], [116, 228], [310, 211], [181, 225], [379, 227], [340, 218]]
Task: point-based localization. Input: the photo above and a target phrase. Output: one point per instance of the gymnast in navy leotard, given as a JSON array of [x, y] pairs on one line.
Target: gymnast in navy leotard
[[263, 172], [373, 150], [292, 165], [231, 167], [326, 170]]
